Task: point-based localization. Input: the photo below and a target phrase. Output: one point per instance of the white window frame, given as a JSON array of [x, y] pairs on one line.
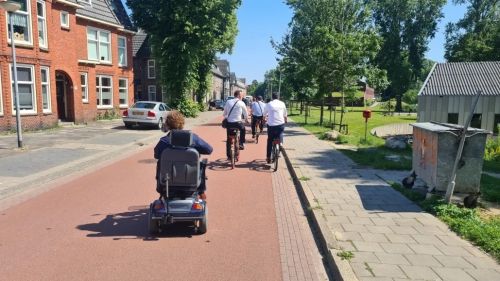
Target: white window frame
[[64, 25], [99, 88], [49, 96], [151, 92], [124, 48], [99, 43], [149, 69], [33, 88], [84, 87], [123, 105], [43, 19], [30, 28]]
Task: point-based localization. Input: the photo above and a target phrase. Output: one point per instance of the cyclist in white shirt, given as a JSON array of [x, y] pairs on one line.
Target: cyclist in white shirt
[[234, 110], [257, 114], [277, 116]]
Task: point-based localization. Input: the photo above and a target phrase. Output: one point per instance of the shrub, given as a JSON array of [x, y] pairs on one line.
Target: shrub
[[188, 107], [492, 151]]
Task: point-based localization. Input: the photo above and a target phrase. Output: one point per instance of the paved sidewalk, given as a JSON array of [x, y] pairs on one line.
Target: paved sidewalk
[[391, 238]]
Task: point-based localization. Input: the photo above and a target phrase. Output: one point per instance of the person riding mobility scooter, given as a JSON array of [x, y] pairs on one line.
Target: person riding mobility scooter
[[181, 184]]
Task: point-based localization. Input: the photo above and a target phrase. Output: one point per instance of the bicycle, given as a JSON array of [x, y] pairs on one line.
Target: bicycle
[[275, 152], [234, 152], [258, 129]]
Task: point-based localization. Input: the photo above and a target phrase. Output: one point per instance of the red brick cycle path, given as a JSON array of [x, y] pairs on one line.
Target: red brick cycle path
[[94, 227]]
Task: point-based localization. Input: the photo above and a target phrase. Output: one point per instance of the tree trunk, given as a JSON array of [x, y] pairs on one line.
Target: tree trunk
[[322, 110], [342, 109], [399, 103]]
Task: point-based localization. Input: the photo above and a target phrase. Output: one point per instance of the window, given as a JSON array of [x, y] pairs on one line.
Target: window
[[453, 118], [87, 2], [21, 20], [151, 69], [84, 86], [104, 91], [99, 45], [122, 51], [42, 23], [152, 93], [123, 90], [45, 74], [476, 121], [496, 123], [64, 19], [26, 88]]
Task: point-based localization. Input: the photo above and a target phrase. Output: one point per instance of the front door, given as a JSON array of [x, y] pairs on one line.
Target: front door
[[61, 99]]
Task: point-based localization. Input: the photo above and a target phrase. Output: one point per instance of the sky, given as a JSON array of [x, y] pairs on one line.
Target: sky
[[261, 20]]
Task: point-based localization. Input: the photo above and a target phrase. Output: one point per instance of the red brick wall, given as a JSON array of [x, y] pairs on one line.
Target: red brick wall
[[65, 48]]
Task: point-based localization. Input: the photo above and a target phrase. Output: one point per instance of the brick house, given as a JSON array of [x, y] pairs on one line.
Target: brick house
[[147, 82], [77, 68]]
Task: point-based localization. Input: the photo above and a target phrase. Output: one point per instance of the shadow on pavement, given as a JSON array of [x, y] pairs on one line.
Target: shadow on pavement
[[221, 164], [133, 225], [384, 199], [258, 165], [147, 161]]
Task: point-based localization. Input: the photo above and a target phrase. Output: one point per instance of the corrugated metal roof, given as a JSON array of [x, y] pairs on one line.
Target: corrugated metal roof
[[463, 79], [111, 11]]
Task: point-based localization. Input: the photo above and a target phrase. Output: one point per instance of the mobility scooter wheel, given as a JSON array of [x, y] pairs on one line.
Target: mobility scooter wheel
[[153, 225]]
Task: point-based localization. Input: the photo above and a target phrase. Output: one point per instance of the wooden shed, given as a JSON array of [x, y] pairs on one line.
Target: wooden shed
[[449, 90]]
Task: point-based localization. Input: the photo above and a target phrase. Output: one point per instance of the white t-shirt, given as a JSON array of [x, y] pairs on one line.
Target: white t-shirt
[[238, 110], [276, 112], [258, 108]]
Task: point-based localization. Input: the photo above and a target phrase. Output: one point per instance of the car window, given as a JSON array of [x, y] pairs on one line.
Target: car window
[[145, 105], [167, 108]]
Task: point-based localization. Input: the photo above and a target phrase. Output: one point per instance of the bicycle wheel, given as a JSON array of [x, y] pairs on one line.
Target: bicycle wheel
[[276, 156], [237, 148]]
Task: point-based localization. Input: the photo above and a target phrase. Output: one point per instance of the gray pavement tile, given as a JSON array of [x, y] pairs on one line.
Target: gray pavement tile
[[354, 227], [451, 261], [379, 229], [403, 229], [407, 222], [362, 257], [360, 221], [452, 239], [419, 272], [425, 249], [346, 245], [482, 262], [361, 269], [396, 259], [453, 274], [383, 221], [375, 279], [394, 248], [348, 236], [427, 239], [400, 238], [386, 270], [455, 250], [484, 274], [374, 237], [367, 246], [422, 260]]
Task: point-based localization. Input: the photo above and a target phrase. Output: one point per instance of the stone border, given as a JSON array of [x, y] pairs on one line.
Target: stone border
[[340, 269]]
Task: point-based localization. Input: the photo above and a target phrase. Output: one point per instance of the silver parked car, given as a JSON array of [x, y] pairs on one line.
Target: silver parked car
[[146, 113]]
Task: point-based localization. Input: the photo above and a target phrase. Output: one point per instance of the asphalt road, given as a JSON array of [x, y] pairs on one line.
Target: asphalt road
[[94, 227]]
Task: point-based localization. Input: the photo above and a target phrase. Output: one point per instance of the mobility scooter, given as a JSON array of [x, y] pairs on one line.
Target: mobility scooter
[[180, 173]]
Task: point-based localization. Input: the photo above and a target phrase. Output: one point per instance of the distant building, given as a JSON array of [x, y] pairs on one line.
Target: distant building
[[449, 91], [147, 81]]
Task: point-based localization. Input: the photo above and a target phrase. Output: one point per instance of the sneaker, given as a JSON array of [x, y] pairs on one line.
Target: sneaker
[[268, 160], [253, 136], [242, 147]]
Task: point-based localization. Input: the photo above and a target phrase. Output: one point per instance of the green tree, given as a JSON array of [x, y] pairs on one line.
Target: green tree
[[406, 27], [186, 36], [331, 45], [253, 87], [475, 37]]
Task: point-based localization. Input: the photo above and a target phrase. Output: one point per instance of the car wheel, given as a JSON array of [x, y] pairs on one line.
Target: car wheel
[[153, 225], [160, 123], [128, 125]]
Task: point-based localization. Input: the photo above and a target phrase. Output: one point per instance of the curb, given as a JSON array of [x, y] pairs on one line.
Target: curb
[[340, 269]]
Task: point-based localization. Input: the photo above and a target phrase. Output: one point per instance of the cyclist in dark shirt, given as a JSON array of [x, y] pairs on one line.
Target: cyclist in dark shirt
[[175, 121]]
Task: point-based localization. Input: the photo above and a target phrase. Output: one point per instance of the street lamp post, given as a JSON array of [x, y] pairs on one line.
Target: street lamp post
[[279, 85], [11, 7]]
